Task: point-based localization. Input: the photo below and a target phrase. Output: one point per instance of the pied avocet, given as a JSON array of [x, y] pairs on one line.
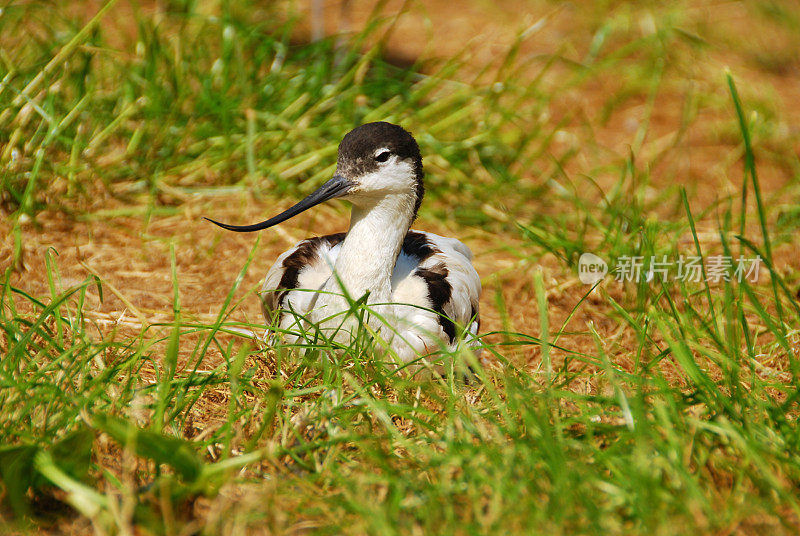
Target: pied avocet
[[422, 286]]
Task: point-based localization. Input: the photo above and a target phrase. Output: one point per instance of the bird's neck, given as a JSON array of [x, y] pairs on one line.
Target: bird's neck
[[370, 249]]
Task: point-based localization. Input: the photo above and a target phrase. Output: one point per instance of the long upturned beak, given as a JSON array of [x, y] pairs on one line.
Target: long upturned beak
[[336, 187]]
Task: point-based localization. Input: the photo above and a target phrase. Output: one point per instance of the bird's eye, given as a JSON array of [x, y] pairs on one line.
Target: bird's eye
[[382, 156]]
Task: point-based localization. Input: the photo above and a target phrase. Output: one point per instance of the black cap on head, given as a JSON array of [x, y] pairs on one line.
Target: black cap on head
[[357, 151]]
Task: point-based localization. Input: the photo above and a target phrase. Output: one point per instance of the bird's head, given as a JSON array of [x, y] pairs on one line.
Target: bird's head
[[376, 160]]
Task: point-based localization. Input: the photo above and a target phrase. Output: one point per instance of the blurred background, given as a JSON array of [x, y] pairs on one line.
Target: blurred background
[[592, 82]]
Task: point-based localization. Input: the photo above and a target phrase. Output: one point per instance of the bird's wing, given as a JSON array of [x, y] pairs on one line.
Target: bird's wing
[[307, 265], [437, 273]]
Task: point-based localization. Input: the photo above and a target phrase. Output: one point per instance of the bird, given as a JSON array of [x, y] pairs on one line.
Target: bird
[[421, 289]]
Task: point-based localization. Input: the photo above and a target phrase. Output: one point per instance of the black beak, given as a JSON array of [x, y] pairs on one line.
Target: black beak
[[336, 187]]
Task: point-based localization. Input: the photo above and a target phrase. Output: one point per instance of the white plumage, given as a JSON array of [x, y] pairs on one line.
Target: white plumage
[[415, 314], [421, 288]]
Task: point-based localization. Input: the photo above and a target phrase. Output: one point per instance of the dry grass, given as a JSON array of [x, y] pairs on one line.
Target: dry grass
[[611, 98]]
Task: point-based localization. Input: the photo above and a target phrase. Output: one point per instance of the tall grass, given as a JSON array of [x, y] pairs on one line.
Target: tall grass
[[189, 426]]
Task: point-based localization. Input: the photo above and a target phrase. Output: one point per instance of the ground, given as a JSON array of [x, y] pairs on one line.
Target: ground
[[625, 105]]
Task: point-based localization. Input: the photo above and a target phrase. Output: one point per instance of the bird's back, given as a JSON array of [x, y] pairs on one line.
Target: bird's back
[[433, 278]]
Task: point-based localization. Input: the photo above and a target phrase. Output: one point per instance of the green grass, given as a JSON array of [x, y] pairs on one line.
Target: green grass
[[673, 410]]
